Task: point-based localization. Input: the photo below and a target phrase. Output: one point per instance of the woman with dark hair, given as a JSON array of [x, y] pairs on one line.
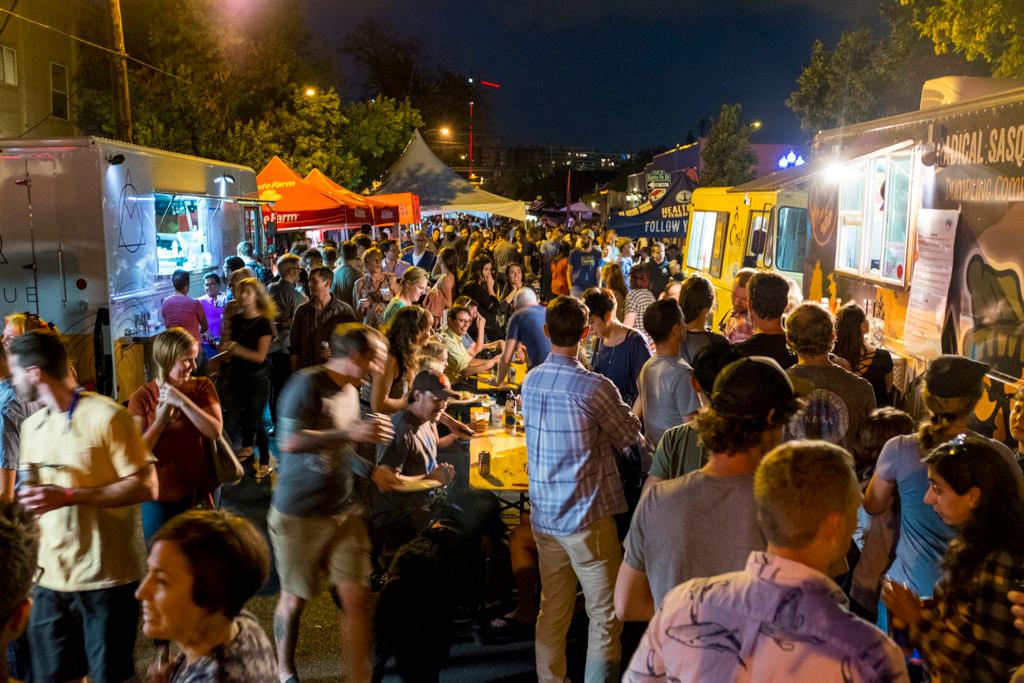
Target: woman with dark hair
[[611, 278], [481, 287], [203, 567], [966, 633], [639, 298], [406, 333], [620, 352], [177, 413], [511, 282], [440, 297], [248, 345], [952, 387], [872, 363], [697, 299]]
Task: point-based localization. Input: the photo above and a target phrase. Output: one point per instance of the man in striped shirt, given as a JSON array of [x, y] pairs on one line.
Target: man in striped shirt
[[575, 422]]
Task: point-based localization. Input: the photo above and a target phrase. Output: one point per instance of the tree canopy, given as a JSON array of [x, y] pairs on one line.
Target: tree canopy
[[727, 156], [233, 88], [990, 30]]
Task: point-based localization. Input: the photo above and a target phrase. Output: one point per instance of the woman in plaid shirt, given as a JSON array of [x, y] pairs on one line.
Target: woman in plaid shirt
[[966, 632]]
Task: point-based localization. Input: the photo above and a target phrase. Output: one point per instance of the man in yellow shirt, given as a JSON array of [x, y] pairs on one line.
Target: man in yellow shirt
[[461, 363], [93, 469]]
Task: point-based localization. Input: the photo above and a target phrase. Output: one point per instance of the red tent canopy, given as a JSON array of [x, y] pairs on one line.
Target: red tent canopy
[[384, 213], [299, 205], [408, 206]]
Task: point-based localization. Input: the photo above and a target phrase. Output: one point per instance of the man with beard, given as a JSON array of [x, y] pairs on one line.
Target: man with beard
[[584, 265], [94, 468]]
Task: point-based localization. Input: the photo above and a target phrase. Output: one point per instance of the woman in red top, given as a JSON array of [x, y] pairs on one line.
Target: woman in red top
[[559, 271], [176, 413]]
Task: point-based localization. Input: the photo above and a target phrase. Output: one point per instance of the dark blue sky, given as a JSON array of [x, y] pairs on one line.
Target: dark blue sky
[[610, 74]]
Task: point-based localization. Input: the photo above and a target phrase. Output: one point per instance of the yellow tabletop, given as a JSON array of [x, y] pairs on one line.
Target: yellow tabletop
[[508, 461], [482, 383]]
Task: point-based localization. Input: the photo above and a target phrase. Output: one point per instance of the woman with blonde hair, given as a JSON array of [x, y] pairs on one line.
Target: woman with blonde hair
[[177, 413], [372, 291], [953, 386], [251, 332], [412, 287]]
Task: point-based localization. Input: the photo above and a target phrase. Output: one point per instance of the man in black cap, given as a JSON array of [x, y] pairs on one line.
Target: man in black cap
[[704, 523], [412, 456]]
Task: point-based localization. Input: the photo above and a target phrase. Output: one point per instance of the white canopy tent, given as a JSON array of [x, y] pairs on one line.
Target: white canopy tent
[[440, 189]]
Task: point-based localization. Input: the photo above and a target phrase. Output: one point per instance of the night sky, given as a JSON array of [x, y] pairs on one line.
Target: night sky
[[616, 75]]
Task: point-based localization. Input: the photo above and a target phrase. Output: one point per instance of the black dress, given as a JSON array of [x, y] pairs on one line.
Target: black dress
[[874, 367], [490, 309]]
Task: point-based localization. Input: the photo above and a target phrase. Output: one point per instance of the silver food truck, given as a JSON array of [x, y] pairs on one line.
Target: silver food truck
[[91, 231]]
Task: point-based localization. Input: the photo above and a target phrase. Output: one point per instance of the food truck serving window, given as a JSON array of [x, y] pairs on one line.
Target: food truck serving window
[[874, 212], [707, 241], [183, 231], [794, 231]]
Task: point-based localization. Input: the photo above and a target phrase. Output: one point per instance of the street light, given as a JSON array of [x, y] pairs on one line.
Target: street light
[[756, 125], [310, 91], [443, 130]]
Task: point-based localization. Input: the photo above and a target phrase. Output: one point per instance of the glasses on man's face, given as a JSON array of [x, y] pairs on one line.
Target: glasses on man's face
[[463, 320]]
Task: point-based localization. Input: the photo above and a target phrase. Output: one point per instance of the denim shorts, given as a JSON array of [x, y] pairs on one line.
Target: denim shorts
[[84, 633]]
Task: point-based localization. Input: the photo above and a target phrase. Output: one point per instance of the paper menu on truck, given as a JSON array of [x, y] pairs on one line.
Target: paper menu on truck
[[933, 268]]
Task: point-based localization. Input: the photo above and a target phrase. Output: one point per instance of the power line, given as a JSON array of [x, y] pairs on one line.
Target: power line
[[93, 45]]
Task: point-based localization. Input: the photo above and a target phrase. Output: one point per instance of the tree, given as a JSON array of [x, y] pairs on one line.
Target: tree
[[990, 30], [867, 76], [727, 156]]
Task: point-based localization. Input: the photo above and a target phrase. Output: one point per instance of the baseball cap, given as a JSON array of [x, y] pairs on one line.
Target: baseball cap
[[435, 382], [952, 376], [751, 386]]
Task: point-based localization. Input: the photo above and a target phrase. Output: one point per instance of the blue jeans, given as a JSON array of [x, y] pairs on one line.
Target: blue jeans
[[156, 513]]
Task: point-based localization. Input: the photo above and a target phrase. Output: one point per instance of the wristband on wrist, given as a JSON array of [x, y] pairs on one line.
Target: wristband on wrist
[[69, 496]]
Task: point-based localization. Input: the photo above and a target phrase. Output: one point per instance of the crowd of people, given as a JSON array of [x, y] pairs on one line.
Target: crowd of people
[[737, 480]]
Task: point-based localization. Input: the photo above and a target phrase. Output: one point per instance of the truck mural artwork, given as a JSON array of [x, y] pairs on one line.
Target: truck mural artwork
[[110, 223]]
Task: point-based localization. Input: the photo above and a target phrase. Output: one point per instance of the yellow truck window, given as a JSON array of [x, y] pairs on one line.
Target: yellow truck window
[[707, 241], [791, 244]]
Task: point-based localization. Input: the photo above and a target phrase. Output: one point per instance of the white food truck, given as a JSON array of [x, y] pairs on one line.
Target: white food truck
[[91, 231]]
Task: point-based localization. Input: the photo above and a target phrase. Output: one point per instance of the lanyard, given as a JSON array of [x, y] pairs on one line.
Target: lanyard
[[74, 404]]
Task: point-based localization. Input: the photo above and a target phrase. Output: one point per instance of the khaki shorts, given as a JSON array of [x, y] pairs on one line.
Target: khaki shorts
[[307, 547]]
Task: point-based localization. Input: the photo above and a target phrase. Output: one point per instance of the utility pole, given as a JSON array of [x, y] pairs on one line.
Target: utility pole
[[122, 104]]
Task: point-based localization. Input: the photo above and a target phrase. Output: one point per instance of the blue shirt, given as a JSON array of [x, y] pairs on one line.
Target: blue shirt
[[622, 363], [585, 266], [575, 422], [13, 412], [527, 327]]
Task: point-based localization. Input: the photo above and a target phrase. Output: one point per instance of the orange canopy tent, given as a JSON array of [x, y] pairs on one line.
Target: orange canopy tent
[[298, 205], [408, 206], [383, 213]]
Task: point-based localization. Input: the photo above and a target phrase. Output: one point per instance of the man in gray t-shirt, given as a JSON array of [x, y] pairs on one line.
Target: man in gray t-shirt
[[312, 529], [667, 396], [837, 400], [704, 523]]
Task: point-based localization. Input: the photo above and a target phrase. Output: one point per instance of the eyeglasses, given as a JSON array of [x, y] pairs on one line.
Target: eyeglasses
[[463, 320]]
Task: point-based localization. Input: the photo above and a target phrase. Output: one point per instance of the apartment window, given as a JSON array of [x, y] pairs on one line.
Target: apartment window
[[707, 241], [58, 91], [8, 66], [874, 214]]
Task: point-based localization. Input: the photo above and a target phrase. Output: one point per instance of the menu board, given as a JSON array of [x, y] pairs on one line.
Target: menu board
[[929, 288]]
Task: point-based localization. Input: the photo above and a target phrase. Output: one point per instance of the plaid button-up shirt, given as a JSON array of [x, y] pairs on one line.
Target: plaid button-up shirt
[[575, 422]]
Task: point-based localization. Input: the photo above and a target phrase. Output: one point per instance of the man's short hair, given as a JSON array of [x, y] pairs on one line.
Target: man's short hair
[[288, 260], [310, 254], [467, 302], [769, 295], [233, 263], [212, 276], [566, 318], [797, 485], [743, 276], [525, 297], [695, 296], [810, 330], [245, 249], [363, 240], [228, 557], [322, 273], [44, 351], [19, 546], [710, 361], [354, 338], [454, 311], [600, 302], [181, 280], [660, 318], [349, 250]]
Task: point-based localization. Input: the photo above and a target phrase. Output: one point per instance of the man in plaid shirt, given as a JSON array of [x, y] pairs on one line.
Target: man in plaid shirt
[[575, 422]]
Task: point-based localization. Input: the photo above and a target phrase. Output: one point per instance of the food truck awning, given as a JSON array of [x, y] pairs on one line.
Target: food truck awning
[[297, 205], [381, 213], [781, 180]]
